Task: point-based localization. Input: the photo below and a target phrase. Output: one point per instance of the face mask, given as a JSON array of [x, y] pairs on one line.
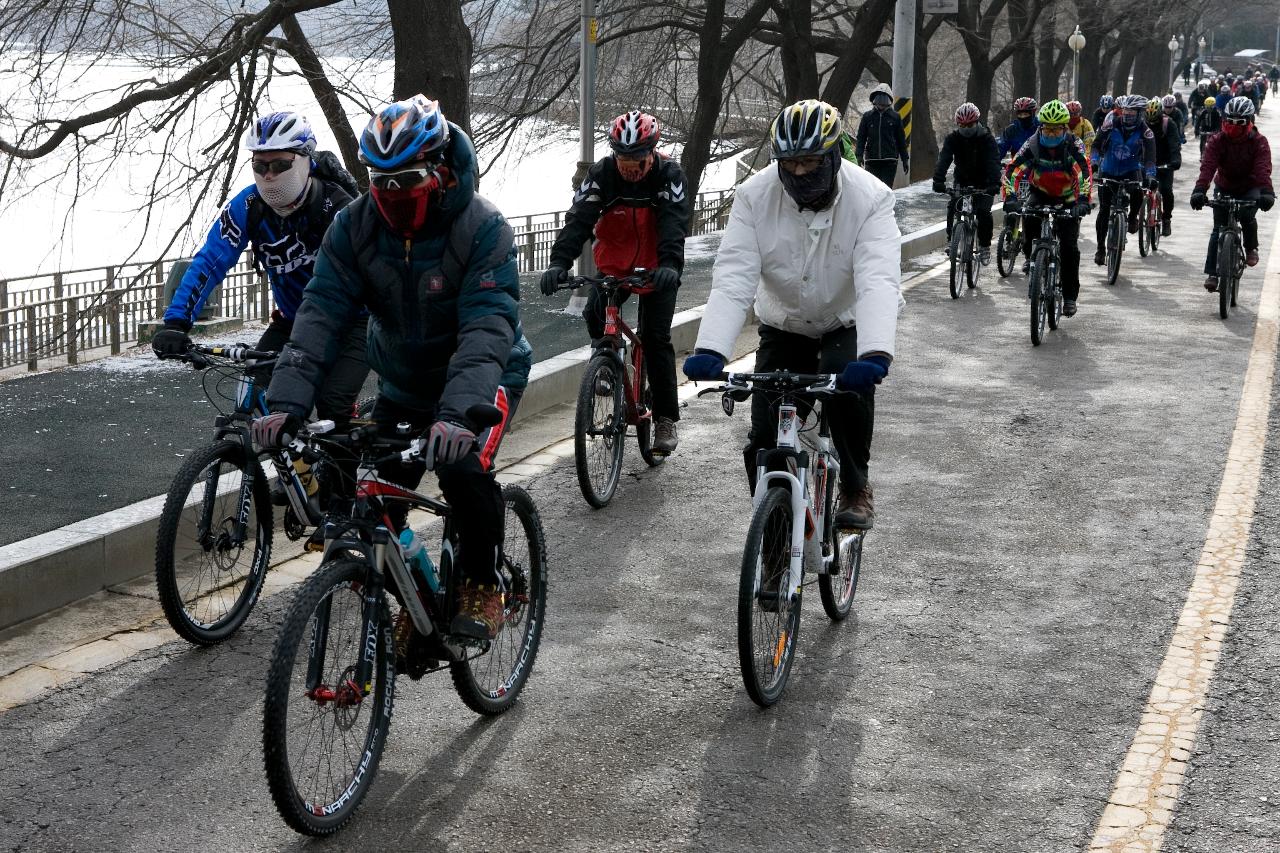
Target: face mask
[[814, 190], [1052, 141], [1235, 131], [634, 172], [970, 131], [405, 211], [881, 102], [1128, 120], [284, 193]]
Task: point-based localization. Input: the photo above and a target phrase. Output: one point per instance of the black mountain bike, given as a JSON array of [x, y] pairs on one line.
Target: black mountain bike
[[331, 684], [1118, 224], [1044, 287], [1231, 253], [1009, 245], [966, 263]]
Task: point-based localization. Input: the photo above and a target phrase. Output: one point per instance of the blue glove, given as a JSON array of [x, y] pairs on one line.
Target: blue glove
[[863, 375], [665, 278], [704, 364]]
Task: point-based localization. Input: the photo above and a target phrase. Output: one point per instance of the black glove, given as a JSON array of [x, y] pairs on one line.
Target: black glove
[[171, 340], [939, 186], [1266, 201], [1153, 184], [1198, 200], [274, 431], [1010, 205], [666, 279], [552, 277], [906, 165], [1081, 208]]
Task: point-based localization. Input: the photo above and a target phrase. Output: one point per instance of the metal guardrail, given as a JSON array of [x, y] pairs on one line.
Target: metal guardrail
[[67, 313]]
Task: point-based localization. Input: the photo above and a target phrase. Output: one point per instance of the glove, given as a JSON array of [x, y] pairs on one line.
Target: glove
[[864, 374], [447, 443], [274, 431], [939, 186], [704, 364], [1198, 199], [906, 165], [1081, 208], [666, 279], [171, 340], [552, 277], [1010, 205], [1266, 201], [1153, 184]]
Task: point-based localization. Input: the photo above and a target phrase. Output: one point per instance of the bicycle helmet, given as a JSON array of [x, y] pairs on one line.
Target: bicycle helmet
[[1210, 102], [1153, 107], [1168, 101], [1239, 107], [1132, 102], [1074, 108], [1248, 85], [634, 133], [402, 131], [1054, 112], [1106, 102], [1025, 105], [282, 131], [967, 113], [805, 128]]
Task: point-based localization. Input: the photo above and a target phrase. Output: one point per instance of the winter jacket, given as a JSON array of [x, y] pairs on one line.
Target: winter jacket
[[1169, 141], [1236, 166], [1222, 101], [1118, 151], [285, 247], [1017, 134], [976, 157], [1060, 172], [808, 272], [1209, 122], [1083, 131], [635, 225], [444, 327], [881, 137], [1099, 116]]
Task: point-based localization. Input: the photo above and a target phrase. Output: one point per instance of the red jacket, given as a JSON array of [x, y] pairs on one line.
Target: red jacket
[[1239, 165]]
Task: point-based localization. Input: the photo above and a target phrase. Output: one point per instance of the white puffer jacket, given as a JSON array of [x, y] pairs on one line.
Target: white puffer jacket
[[808, 273]]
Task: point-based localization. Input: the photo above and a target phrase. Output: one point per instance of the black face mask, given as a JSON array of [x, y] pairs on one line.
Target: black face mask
[[970, 132], [817, 189]]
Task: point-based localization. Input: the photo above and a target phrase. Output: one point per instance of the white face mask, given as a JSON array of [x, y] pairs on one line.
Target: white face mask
[[285, 193]]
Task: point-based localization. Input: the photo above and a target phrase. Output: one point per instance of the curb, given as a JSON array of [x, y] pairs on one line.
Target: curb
[[56, 568]]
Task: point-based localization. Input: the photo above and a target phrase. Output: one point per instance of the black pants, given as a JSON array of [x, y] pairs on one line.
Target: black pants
[[1105, 193], [885, 170], [981, 212], [1165, 176], [1248, 220], [655, 313], [1068, 231], [850, 416], [337, 398], [469, 485]]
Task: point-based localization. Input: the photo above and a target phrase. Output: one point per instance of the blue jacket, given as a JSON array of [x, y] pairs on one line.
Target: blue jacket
[[1125, 152], [1222, 101], [1016, 135], [444, 322], [285, 247]]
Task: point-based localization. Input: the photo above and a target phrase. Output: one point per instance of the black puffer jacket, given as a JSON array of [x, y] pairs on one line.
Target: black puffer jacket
[[881, 137], [976, 157]]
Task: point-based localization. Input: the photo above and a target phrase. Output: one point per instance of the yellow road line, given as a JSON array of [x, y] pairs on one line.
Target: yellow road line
[[1141, 803]]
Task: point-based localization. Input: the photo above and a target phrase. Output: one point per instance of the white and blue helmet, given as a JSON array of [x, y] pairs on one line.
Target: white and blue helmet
[[281, 132]]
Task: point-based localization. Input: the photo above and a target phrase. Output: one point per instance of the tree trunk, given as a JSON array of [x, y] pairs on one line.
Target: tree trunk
[[1124, 64], [981, 77], [924, 140], [1045, 63], [1092, 76], [442, 72], [799, 59], [1151, 69], [868, 24], [1024, 53]]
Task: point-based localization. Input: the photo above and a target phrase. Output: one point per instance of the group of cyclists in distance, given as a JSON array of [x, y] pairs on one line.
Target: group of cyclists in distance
[[417, 278]]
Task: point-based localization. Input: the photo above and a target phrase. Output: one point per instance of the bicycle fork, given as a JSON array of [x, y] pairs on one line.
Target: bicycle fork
[[795, 483]]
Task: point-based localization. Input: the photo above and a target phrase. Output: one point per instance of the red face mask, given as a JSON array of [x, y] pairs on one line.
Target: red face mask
[[1235, 131], [405, 211], [634, 172]]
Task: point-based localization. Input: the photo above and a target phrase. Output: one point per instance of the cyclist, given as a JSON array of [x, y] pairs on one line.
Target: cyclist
[[1208, 122], [1080, 126], [435, 266], [1022, 128], [296, 193], [1163, 118], [1224, 95], [1105, 105], [1053, 164], [813, 245], [1238, 162], [1184, 112], [882, 140], [977, 160], [1124, 149], [635, 201], [1197, 99], [1274, 74]]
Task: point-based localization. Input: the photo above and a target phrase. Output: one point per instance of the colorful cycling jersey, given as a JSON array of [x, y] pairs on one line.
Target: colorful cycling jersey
[[1060, 172]]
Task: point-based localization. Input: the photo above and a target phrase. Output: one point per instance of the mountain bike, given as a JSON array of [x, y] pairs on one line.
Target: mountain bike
[[792, 530], [966, 263], [1149, 220], [1044, 287], [614, 393], [331, 683], [1230, 262], [1009, 246], [1118, 224], [213, 544]]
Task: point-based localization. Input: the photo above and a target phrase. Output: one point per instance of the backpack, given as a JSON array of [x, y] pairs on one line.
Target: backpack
[[329, 168]]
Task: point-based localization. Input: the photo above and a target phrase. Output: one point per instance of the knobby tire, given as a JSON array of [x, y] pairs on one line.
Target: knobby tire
[[767, 638]]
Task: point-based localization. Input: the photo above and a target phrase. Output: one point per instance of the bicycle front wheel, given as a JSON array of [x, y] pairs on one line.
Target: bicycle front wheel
[[1228, 251], [209, 566], [956, 251], [1006, 252], [1115, 234], [768, 619], [323, 731], [1144, 231], [490, 683], [1040, 297], [972, 266], [600, 430]]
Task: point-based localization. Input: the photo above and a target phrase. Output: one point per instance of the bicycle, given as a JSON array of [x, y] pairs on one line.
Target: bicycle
[[1043, 287], [1149, 220], [213, 543], [966, 260], [792, 531], [1118, 226], [1230, 237], [614, 393], [1009, 246], [331, 683]]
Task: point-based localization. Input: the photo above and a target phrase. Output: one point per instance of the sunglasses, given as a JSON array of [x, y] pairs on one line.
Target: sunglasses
[[1236, 121], [274, 167], [403, 179], [1053, 130]]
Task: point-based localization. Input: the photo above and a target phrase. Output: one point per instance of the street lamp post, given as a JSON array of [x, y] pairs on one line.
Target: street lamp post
[[1200, 61], [1174, 44], [1075, 41]]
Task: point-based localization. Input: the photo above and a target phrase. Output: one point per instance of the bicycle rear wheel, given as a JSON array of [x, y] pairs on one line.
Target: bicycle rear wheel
[[1006, 252], [489, 684], [767, 621], [1115, 234], [1144, 231], [600, 430], [1227, 253], [1157, 222], [208, 577], [322, 732], [972, 266], [644, 429], [1039, 297], [1053, 293], [956, 251]]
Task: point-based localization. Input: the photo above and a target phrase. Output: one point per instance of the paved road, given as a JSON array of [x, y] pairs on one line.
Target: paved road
[[1040, 514]]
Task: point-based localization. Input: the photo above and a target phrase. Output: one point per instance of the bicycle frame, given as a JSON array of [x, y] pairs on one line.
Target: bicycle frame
[[618, 335]]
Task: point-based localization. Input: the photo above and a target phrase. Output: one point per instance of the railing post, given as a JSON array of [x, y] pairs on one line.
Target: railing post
[[57, 295], [113, 317], [160, 306], [31, 337], [4, 317], [72, 305], [264, 297], [528, 243]]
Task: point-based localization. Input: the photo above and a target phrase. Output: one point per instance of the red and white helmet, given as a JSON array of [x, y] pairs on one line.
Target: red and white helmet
[[1025, 105], [967, 113], [1074, 109], [634, 133]]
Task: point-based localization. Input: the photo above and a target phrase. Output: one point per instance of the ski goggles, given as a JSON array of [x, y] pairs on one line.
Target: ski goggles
[[1236, 121], [273, 167]]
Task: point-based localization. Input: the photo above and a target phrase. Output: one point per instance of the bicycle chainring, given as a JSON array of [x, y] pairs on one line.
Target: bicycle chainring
[[293, 528]]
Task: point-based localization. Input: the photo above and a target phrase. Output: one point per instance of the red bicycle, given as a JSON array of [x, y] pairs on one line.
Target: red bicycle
[[1149, 221], [615, 392]]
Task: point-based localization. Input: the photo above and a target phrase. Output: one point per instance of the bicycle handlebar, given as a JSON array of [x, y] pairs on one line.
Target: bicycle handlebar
[[640, 282], [198, 354], [779, 381], [1051, 210], [1229, 203]]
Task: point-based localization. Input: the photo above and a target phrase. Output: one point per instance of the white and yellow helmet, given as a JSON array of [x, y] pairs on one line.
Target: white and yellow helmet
[[805, 128]]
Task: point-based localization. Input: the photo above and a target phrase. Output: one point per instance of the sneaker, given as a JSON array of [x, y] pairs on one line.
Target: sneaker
[[1251, 257], [1026, 267], [1166, 228], [857, 513], [315, 542], [665, 436], [984, 256], [1133, 226], [1211, 283], [479, 612], [1100, 257], [1068, 308]]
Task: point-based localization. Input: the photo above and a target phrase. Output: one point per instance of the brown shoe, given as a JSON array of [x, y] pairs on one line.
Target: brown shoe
[[1211, 283], [856, 513], [479, 612], [1251, 257], [665, 436]]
